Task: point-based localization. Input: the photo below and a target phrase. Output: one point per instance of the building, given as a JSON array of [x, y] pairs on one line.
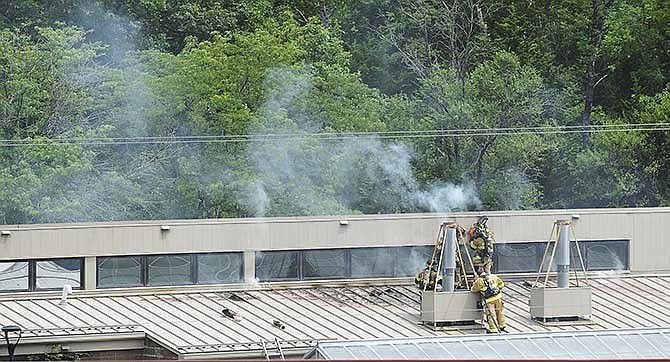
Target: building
[[159, 289]]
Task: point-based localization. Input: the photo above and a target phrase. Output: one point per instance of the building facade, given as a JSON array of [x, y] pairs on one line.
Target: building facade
[[245, 251]]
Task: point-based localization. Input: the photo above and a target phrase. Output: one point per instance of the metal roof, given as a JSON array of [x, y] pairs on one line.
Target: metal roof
[[592, 345], [191, 323]]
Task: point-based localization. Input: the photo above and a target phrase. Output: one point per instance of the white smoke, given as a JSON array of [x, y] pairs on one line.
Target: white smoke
[[257, 198], [448, 197], [301, 174]]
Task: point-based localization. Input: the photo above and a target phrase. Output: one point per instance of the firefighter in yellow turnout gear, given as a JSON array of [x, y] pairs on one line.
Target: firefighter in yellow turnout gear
[[425, 280], [481, 241], [490, 286]]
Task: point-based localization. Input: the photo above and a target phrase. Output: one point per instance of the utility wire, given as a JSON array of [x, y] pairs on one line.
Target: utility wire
[[271, 135], [450, 133]]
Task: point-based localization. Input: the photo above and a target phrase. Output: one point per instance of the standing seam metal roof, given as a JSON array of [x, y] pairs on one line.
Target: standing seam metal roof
[[190, 322]]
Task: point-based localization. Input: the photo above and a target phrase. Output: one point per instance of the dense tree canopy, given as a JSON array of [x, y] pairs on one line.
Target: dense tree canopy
[[113, 110]]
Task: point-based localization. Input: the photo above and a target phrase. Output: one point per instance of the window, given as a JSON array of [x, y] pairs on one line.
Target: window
[[574, 256], [56, 273], [169, 270], [32, 275], [407, 261], [341, 263], [373, 262], [515, 258], [220, 268], [325, 263], [596, 255], [575, 264], [14, 276], [277, 265], [412, 259], [114, 272], [175, 269], [607, 255]]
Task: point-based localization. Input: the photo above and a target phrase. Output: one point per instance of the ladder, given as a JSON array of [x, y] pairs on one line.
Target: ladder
[[281, 352], [277, 345], [437, 253]]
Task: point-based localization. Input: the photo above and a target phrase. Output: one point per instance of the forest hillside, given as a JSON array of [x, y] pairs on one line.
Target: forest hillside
[[163, 109]]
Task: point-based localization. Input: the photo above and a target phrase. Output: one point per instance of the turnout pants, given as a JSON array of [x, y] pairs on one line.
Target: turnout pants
[[495, 310], [485, 264]]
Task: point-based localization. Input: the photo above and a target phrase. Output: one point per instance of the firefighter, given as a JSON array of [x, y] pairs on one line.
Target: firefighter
[[490, 287], [425, 280], [481, 241]]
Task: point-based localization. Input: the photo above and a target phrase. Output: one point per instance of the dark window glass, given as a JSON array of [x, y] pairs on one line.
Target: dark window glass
[[373, 262], [14, 275], [125, 271], [324, 263], [465, 251], [516, 258], [412, 259], [219, 268], [276, 265], [169, 270], [574, 256], [56, 273], [546, 252], [607, 255]]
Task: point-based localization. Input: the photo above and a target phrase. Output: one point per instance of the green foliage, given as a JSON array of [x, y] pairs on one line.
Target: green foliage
[[58, 356], [500, 93], [636, 29], [44, 90], [84, 83], [169, 23]]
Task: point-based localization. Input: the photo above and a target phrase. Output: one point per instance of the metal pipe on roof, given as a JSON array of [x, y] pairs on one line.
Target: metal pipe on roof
[[449, 258], [563, 253]]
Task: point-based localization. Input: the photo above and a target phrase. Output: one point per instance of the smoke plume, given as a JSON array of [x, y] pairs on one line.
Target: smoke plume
[[306, 174]]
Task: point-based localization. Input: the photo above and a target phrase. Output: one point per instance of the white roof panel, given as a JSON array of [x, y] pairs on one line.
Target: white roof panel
[[611, 344]]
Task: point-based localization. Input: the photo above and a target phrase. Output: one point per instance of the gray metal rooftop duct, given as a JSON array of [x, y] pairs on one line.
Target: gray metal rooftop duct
[[449, 257], [563, 253]]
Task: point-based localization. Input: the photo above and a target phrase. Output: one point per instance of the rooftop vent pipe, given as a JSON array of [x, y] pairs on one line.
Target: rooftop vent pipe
[[278, 324], [449, 258], [67, 289], [563, 253]]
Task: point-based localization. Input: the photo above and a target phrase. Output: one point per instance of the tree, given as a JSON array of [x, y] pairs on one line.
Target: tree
[[499, 93], [429, 33], [44, 85], [597, 31]]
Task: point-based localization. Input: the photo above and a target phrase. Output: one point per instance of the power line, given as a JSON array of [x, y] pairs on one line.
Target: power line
[[329, 136], [280, 135]]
